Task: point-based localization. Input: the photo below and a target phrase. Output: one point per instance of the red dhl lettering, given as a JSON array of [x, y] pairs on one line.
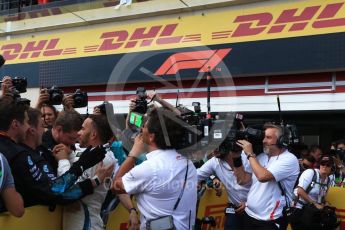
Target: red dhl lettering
[[217, 211], [141, 36], [318, 17], [33, 49]]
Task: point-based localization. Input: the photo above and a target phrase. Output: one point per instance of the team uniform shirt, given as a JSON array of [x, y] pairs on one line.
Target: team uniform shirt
[[236, 193], [34, 177], [157, 184], [6, 178], [318, 188], [88, 214], [265, 201]]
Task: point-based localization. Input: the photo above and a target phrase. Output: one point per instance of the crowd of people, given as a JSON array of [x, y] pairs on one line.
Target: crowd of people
[[49, 157]]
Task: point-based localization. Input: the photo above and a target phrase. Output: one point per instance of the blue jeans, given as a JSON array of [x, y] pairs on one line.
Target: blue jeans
[[234, 221]]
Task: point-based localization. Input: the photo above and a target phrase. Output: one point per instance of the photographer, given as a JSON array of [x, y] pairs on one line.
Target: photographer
[[222, 166], [131, 130], [311, 192], [6, 85], [54, 96], [166, 183], [265, 202]]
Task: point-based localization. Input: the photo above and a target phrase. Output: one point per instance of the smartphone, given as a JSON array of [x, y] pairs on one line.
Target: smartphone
[[136, 119]]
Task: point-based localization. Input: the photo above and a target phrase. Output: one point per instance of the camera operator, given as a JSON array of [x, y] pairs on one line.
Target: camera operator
[[166, 183], [222, 166], [265, 201], [131, 130]]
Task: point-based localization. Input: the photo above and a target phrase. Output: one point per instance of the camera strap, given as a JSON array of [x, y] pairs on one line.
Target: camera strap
[[183, 187], [283, 193]]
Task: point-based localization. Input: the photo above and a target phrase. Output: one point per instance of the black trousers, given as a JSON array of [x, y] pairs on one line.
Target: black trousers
[[251, 223]]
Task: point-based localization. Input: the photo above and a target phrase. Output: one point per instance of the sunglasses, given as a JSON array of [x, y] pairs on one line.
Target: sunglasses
[[326, 164]]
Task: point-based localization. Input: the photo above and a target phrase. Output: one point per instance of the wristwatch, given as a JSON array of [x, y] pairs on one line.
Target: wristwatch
[[133, 209], [251, 155]]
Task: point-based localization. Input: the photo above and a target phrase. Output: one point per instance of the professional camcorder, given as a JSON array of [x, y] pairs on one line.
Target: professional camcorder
[[140, 102], [55, 95], [80, 99], [213, 133]]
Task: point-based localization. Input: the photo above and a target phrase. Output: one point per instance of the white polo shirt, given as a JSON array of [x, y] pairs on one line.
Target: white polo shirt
[[265, 201], [318, 189], [157, 183], [236, 193]]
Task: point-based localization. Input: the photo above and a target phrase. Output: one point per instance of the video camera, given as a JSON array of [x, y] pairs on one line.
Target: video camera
[[218, 134], [140, 102], [80, 99]]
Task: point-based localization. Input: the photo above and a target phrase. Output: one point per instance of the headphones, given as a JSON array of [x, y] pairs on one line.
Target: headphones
[[283, 140]]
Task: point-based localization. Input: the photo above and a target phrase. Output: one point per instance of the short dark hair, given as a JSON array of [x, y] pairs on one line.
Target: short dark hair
[[69, 121], [34, 116], [338, 142], [314, 148], [160, 119], [9, 111], [311, 159], [101, 124]]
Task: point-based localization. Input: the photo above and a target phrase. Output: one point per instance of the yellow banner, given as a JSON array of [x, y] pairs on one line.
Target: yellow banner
[[243, 23]]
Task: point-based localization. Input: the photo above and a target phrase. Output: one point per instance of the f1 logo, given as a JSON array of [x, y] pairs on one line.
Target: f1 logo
[[203, 60]]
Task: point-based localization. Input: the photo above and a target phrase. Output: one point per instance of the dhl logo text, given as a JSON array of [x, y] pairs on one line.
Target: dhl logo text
[[33, 49], [318, 17]]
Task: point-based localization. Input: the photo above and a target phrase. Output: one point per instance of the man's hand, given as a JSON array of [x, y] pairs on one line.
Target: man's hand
[[61, 151], [104, 171], [319, 206], [246, 146], [240, 208], [138, 147], [42, 98], [134, 222], [132, 105], [152, 95], [68, 102], [6, 85], [217, 187]]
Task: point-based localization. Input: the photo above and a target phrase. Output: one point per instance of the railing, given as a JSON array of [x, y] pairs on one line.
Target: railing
[[14, 10]]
